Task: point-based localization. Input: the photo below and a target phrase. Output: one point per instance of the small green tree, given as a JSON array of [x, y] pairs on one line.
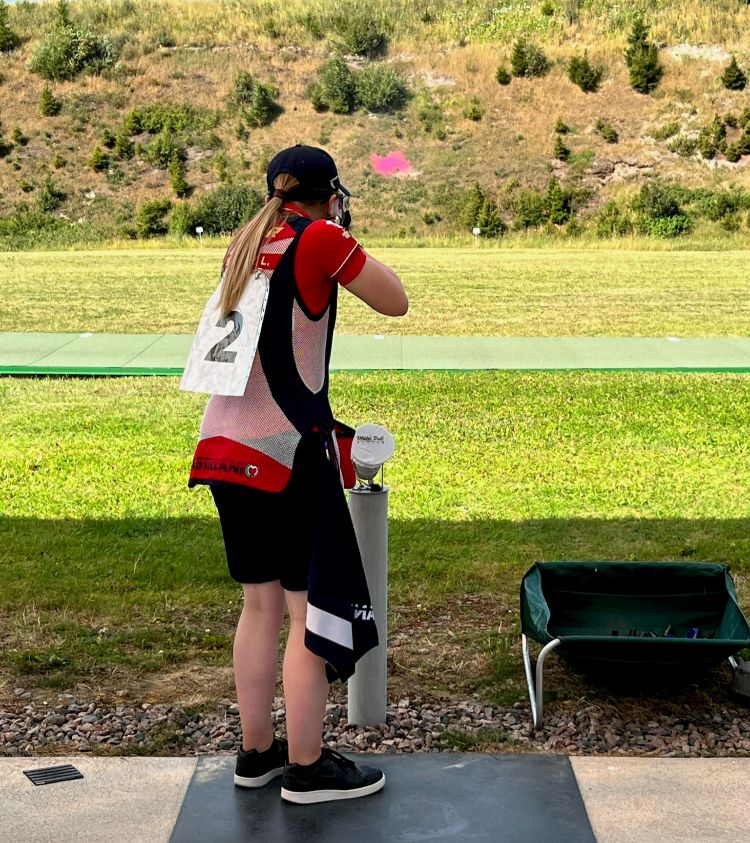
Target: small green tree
[[107, 138], [18, 137], [712, 138], [380, 88], [151, 220], [360, 32], [560, 151], [474, 110], [123, 148], [529, 207], [502, 76], [336, 87], [471, 206], [489, 222], [558, 203], [584, 74], [642, 59], [50, 195], [9, 41], [527, 59], [177, 177], [733, 78], [255, 100], [67, 50], [98, 160], [606, 130], [49, 104]]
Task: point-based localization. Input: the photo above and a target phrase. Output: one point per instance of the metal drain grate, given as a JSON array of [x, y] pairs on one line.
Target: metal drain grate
[[52, 775]]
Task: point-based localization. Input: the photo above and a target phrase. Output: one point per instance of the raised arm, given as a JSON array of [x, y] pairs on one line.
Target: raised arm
[[379, 286]]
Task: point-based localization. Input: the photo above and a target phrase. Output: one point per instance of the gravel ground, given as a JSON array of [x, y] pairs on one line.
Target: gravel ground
[[72, 724]]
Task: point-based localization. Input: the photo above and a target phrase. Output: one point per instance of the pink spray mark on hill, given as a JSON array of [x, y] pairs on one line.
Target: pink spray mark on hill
[[388, 165]]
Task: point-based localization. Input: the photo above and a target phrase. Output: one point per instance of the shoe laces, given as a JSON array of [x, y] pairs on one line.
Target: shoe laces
[[338, 758]]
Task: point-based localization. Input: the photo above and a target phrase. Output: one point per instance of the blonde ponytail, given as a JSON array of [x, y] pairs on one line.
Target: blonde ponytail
[[243, 250]]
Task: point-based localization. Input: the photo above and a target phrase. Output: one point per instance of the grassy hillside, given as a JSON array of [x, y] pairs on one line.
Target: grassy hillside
[[190, 53]]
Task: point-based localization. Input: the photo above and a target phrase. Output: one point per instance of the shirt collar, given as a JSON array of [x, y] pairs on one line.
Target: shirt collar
[[291, 208]]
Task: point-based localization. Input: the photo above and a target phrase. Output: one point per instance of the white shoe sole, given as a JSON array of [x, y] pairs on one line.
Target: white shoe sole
[[301, 797], [259, 781]]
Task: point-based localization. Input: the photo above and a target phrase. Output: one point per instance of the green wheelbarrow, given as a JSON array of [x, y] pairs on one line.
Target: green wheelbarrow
[[636, 623]]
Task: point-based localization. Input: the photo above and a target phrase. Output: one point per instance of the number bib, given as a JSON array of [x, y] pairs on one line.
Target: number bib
[[224, 346]]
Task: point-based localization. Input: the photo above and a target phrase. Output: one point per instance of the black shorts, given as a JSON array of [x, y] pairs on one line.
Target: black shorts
[[268, 536]]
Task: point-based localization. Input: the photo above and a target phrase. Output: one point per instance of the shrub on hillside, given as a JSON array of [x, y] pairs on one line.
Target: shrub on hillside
[[431, 117], [659, 211], [9, 41], [502, 76], [335, 88], [49, 104], [716, 204], [607, 130], [50, 195], [380, 88], [733, 78], [359, 31], [162, 150], [255, 100], [123, 148], [559, 150], [584, 74], [480, 211], [489, 221], [151, 220], [712, 138], [473, 109], [66, 51], [177, 177], [98, 160], [684, 146], [666, 131], [160, 117], [221, 212], [613, 221], [561, 127], [528, 60], [733, 153], [529, 208], [558, 203], [642, 59]]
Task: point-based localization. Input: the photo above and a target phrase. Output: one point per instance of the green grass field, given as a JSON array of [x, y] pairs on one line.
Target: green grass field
[[111, 567], [453, 291]]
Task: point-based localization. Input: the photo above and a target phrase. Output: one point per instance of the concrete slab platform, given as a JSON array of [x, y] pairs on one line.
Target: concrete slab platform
[[119, 800], [666, 800], [427, 797], [165, 354]]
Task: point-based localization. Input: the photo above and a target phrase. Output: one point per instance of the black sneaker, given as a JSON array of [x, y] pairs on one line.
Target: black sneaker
[[254, 769], [330, 777]]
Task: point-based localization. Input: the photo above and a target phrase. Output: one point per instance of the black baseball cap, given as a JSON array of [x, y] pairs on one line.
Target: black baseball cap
[[313, 168]]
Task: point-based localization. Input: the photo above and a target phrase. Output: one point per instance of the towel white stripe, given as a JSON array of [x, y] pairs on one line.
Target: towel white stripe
[[329, 626]]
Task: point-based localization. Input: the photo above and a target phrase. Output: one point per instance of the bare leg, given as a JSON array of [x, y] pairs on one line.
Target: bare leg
[[305, 687], [256, 653]]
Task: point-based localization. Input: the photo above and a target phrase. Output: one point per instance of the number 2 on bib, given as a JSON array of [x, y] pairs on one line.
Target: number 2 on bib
[[218, 352], [219, 362]]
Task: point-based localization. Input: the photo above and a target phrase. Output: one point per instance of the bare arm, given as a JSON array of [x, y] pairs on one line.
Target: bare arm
[[380, 287]]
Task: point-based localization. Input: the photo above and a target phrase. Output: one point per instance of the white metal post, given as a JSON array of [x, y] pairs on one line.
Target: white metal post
[[367, 688]]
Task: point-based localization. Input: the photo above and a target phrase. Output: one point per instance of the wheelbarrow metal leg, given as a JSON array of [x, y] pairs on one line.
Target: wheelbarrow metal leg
[[536, 691]]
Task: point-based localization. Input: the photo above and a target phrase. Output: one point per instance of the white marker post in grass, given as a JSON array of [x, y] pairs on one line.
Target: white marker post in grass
[[368, 503]]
